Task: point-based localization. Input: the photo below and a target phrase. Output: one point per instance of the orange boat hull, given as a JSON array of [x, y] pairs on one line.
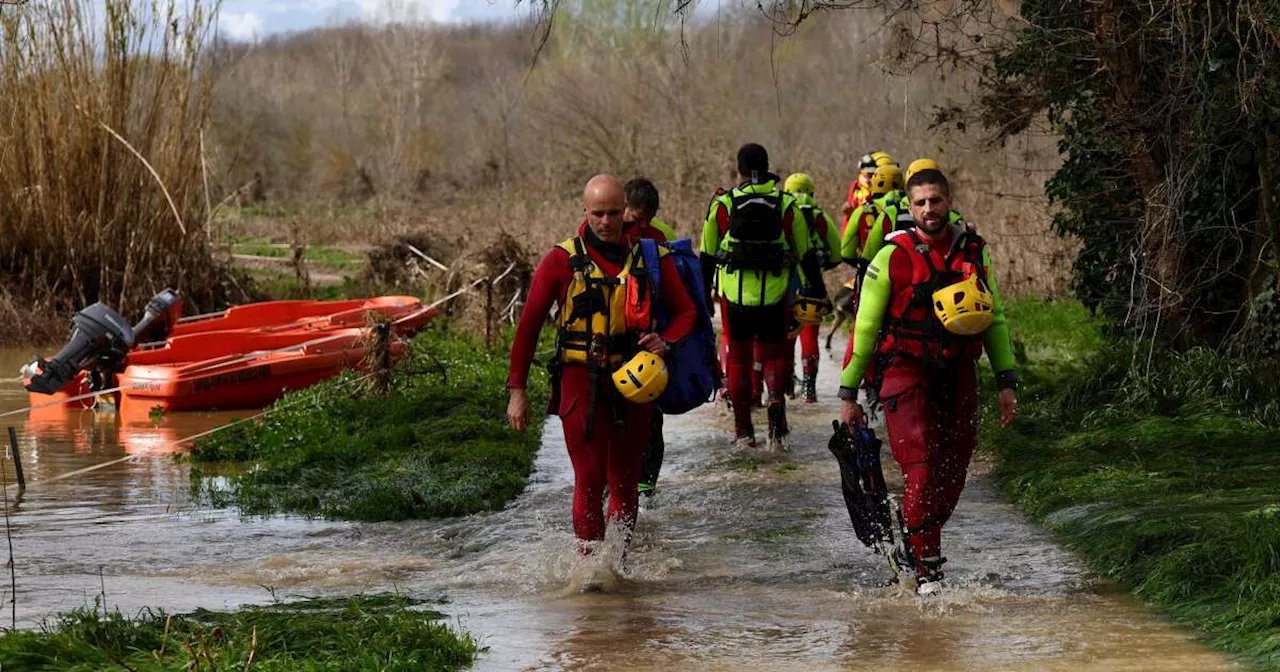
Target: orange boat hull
[[233, 382]]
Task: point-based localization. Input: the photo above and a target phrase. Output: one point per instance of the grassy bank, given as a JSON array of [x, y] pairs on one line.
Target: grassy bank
[[380, 632], [436, 445], [1166, 480]]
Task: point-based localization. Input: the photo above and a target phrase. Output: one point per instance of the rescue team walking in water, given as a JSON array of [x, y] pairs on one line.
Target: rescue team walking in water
[[608, 366], [928, 308]]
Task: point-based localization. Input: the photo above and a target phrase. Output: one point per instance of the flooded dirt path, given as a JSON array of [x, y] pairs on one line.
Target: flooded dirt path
[[742, 561]]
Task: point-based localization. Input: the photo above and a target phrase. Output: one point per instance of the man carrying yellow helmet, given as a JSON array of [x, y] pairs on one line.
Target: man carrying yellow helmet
[[608, 367], [927, 310]]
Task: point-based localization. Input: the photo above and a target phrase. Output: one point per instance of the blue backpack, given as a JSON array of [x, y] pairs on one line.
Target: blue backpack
[[692, 363]]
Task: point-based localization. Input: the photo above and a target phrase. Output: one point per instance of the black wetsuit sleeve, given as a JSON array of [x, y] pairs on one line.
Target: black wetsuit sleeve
[[817, 288]]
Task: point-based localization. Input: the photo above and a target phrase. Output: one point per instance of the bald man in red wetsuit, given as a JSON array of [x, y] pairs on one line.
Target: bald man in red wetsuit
[[606, 440]]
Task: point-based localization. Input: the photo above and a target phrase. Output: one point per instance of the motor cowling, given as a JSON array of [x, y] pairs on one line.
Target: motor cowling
[[163, 311], [100, 338]]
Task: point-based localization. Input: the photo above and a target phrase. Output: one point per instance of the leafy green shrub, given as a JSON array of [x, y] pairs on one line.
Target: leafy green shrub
[[1163, 476]]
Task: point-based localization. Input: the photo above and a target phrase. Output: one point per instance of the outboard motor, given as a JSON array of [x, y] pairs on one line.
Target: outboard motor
[[99, 336], [161, 316], [100, 342]]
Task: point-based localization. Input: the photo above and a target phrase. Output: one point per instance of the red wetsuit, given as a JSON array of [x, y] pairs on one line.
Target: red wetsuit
[[614, 454], [931, 418], [756, 335]]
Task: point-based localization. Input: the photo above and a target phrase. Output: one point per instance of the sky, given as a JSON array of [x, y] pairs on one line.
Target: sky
[[252, 19], [248, 19]]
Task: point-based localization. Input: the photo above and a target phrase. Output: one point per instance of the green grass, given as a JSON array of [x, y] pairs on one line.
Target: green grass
[[378, 632], [1165, 478], [284, 285], [437, 445], [328, 257]]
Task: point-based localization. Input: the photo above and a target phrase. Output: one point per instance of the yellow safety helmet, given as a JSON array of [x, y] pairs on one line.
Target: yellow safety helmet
[[965, 308], [919, 165], [811, 311], [642, 379], [883, 159], [799, 183], [886, 179]]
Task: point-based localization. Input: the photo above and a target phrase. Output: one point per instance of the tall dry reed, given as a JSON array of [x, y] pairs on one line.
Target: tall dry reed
[[102, 194]]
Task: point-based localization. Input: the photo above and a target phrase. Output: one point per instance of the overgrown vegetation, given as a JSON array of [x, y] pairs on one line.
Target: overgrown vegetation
[[376, 632], [1162, 472], [436, 445], [1167, 114], [322, 125], [102, 189]]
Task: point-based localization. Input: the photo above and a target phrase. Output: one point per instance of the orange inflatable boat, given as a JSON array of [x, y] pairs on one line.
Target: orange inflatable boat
[[243, 357]]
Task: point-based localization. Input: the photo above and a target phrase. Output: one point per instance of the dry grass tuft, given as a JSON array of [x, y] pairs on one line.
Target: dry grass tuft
[[101, 192]]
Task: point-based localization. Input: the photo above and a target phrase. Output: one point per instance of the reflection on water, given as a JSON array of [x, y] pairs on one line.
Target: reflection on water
[[738, 563]]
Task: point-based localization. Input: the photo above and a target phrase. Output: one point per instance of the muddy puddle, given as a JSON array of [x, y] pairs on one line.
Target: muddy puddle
[[741, 562]]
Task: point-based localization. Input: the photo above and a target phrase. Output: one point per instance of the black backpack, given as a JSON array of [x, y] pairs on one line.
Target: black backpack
[[755, 225]]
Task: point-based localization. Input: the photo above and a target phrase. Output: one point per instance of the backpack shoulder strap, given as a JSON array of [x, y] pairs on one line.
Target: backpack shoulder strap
[[651, 254], [579, 260]]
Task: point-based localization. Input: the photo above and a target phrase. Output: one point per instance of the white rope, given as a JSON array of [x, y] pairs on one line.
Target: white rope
[[198, 435], [56, 402]]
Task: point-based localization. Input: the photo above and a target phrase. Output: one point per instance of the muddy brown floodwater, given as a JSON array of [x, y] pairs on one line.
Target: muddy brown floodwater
[[741, 562]]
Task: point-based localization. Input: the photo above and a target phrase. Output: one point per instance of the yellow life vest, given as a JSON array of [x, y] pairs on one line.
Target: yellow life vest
[[601, 314]]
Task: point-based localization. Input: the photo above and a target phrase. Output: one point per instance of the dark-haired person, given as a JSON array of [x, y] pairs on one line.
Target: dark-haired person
[[927, 310], [754, 241], [643, 202], [640, 218]]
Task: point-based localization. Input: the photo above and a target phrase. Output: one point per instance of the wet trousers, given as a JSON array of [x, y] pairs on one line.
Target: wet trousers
[[654, 450], [809, 349], [612, 456], [758, 374], [747, 327], [932, 421]]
